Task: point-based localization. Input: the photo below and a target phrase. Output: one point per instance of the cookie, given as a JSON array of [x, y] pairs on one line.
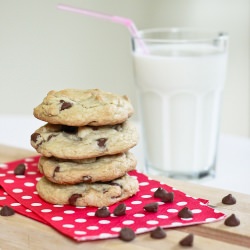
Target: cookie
[[75, 107], [85, 194], [68, 142], [103, 169]]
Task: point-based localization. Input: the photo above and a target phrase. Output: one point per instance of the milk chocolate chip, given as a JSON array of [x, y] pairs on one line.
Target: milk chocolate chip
[[151, 207], [158, 233], [120, 210], [168, 197], [34, 137], [73, 198], [20, 169], [229, 200], [101, 142], [160, 192], [232, 221], [6, 211], [102, 212], [187, 241], [65, 105], [126, 234], [185, 213]]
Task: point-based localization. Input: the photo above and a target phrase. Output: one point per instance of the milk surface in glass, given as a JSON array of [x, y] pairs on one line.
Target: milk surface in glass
[[180, 94]]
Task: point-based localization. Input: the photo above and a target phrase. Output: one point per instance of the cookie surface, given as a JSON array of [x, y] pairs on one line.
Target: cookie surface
[[75, 107], [102, 169], [68, 142], [97, 194]]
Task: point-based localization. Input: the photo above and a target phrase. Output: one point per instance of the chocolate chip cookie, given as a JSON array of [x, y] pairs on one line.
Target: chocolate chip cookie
[[86, 194], [74, 107], [102, 169], [68, 142]]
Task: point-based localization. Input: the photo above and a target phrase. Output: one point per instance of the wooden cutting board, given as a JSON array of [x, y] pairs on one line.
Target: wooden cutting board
[[19, 232]]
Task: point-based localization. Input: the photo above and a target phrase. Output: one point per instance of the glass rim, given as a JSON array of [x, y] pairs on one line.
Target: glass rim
[[205, 35]]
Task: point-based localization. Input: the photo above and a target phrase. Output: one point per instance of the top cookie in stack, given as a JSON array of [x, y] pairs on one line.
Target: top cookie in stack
[[85, 147]]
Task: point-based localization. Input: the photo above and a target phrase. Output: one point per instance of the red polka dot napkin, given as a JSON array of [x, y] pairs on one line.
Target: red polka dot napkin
[[80, 223]]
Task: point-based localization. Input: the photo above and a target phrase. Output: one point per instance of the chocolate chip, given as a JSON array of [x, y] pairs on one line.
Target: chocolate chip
[[87, 179], [160, 192], [65, 105], [158, 233], [120, 210], [126, 234], [51, 136], [73, 198], [20, 169], [232, 221], [151, 207], [6, 211], [57, 169], [187, 241], [34, 137], [185, 213], [229, 200], [168, 197], [102, 212], [69, 129], [101, 142]]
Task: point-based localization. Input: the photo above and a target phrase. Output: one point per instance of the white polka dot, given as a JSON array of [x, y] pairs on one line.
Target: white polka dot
[[152, 222], [31, 172], [28, 211], [80, 207], [20, 176], [17, 190], [46, 210], [216, 211], [136, 202], [80, 220], [176, 224], [144, 183], [3, 165], [162, 216], [68, 226], [153, 189], [36, 204], [210, 219], [29, 184], [104, 221], [69, 211], [57, 218], [35, 192], [172, 210], [128, 208], [175, 189], [38, 178], [105, 235], [187, 195], [78, 232], [91, 213], [26, 197], [29, 159], [141, 230], [161, 203], [2, 175], [186, 219], [115, 229], [181, 203], [10, 172], [92, 227], [196, 211], [15, 204], [2, 198], [128, 222], [146, 196], [57, 205], [8, 181], [139, 215]]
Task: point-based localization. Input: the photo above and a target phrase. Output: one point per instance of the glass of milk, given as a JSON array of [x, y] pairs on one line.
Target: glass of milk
[[180, 76]]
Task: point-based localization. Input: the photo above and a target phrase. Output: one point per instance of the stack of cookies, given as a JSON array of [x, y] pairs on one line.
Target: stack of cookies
[[84, 148]]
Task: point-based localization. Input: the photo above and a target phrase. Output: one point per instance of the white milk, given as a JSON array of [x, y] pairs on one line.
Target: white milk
[[180, 100]]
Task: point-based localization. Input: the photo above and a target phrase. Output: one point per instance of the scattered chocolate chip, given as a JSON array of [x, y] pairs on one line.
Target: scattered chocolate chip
[[101, 142], [65, 105], [57, 169], [232, 221], [20, 169], [102, 212], [6, 211], [69, 129], [168, 197], [34, 137], [127, 234], [73, 198], [120, 210], [187, 241], [229, 200], [158, 233], [87, 179], [185, 213], [160, 192], [151, 207]]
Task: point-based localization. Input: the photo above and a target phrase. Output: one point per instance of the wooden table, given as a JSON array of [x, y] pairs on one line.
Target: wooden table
[[19, 232]]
